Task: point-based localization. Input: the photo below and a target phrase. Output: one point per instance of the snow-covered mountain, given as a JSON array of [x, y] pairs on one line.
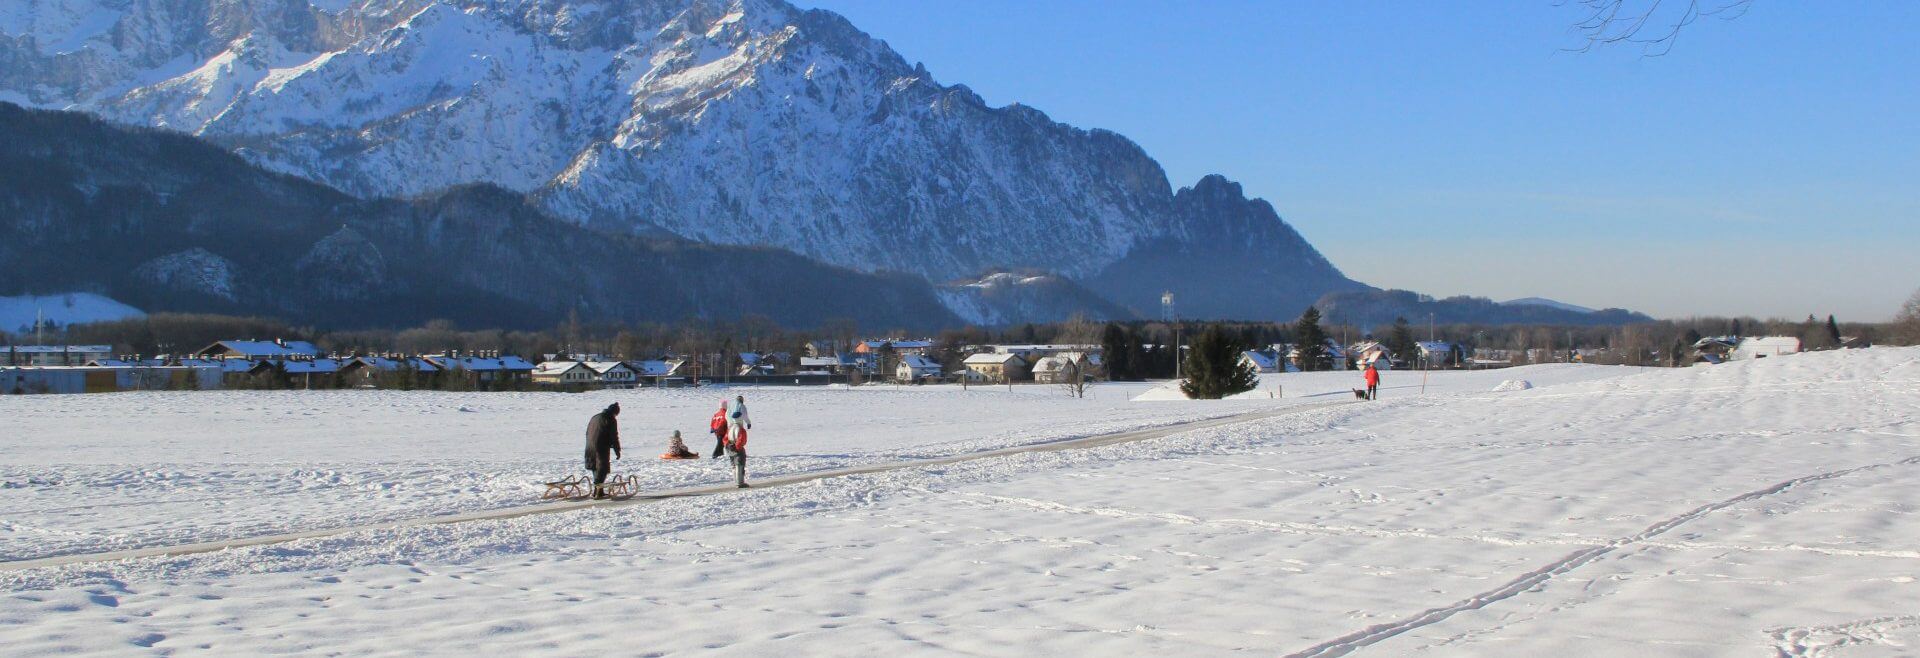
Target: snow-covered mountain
[[747, 122]]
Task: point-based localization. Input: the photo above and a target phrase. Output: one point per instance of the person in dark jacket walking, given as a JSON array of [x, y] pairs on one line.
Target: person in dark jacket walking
[[603, 436]]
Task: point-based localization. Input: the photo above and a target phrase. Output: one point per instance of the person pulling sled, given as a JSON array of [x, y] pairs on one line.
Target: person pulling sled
[[603, 437]]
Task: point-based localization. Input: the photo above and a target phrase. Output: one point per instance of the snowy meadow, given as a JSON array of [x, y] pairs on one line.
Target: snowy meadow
[[1754, 508]]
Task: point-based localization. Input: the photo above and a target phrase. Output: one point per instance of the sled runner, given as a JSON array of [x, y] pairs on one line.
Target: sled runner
[[575, 486]]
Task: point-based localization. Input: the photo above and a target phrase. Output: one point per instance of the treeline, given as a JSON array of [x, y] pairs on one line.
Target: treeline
[[1133, 350]]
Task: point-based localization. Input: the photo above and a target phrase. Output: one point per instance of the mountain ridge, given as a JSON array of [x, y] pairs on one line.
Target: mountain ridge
[[742, 122]]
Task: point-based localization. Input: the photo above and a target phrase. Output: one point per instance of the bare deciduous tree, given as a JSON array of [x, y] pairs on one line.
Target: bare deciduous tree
[[1654, 25], [1907, 321]]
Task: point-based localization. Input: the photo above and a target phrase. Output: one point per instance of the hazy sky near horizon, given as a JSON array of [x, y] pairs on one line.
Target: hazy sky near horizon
[[1768, 165]]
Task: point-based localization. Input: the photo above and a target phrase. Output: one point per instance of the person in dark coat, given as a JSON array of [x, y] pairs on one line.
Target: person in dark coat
[[603, 436]]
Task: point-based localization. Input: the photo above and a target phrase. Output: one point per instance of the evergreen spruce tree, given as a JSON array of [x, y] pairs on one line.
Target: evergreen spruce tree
[[1400, 342], [1214, 369], [1313, 342], [1833, 331], [1119, 360]]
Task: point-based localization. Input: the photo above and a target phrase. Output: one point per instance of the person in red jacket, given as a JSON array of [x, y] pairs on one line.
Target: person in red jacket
[[1373, 382], [718, 426]]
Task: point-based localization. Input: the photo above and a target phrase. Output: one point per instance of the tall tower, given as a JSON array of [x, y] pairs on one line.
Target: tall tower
[[1166, 307]]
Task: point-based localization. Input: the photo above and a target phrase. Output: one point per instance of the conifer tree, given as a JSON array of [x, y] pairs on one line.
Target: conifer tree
[[1312, 342], [1214, 369]]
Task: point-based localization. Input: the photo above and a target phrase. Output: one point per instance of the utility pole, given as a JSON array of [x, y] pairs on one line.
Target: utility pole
[[1167, 314]]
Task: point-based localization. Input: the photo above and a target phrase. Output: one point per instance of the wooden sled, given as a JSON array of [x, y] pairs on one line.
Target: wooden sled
[[674, 456], [573, 486]]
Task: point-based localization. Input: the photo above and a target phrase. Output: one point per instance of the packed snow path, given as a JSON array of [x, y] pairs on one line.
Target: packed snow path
[[646, 497], [1760, 508]]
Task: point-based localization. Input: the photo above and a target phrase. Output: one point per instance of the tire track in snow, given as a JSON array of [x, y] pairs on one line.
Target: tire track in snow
[[1356, 640]]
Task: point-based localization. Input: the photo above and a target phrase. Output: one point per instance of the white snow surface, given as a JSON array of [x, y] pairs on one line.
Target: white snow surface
[[1755, 508], [17, 314]]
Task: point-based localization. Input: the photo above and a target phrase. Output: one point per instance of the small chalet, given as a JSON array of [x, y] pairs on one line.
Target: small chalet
[[1263, 362], [613, 374], [255, 350], [997, 367], [916, 368], [1062, 368], [563, 373]]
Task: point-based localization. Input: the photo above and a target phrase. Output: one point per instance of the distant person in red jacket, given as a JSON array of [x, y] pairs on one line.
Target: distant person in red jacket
[[718, 426], [1373, 382]]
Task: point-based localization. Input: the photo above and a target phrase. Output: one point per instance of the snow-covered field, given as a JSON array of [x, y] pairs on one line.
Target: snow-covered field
[[1758, 508]]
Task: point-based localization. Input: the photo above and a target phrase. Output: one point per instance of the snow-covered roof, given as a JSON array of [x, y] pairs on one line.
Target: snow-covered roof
[[603, 367], [918, 362], [1261, 360], [654, 368], [297, 366], [991, 357], [261, 349], [556, 367], [392, 364], [475, 363]]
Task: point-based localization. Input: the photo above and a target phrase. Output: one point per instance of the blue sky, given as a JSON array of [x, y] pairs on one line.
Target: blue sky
[[1768, 165]]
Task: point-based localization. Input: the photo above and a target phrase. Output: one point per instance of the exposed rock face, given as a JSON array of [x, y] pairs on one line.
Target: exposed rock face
[[344, 265], [743, 122], [194, 271]]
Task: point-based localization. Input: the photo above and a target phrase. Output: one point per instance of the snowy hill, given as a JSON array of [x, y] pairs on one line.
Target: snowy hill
[[1542, 301], [745, 122], [18, 313]]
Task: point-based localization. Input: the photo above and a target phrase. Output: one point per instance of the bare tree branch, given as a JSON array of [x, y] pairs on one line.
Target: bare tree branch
[[1654, 25]]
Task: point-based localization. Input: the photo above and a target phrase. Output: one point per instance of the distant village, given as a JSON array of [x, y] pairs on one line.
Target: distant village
[[301, 365]]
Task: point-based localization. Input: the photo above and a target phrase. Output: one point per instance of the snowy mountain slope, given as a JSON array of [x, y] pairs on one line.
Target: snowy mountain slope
[[1006, 298], [728, 121], [169, 222], [18, 313]]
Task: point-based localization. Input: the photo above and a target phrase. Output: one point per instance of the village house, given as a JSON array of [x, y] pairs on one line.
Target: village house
[[997, 367], [368, 371], [1062, 368], [1370, 352], [254, 350], [613, 374], [1262, 362], [1760, 347], [916, 368], [1336, 356], [1436, 354], [872, 347], [487, 369], [54, 355], [563, 373]]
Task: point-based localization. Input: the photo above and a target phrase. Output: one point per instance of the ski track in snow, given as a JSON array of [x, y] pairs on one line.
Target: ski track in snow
[[1349, 643]]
